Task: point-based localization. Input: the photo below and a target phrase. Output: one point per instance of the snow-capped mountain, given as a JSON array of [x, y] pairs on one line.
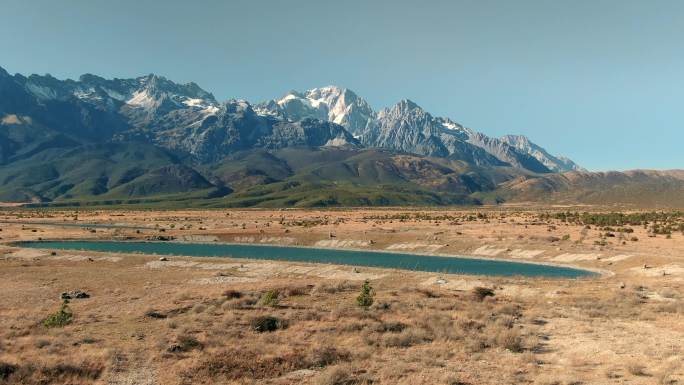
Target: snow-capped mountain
[[404, 127], [186, 118], [124, 140], [334, 104], [181, 117]]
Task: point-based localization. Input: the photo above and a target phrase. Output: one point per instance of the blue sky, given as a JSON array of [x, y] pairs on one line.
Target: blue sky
[[599, 81]]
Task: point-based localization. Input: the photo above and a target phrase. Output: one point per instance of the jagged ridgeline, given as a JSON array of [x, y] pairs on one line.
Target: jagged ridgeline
[[150, 140]]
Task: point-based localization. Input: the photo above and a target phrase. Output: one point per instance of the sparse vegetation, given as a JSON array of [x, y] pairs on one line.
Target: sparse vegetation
[[33, 373], [216, 321], [670, 219]]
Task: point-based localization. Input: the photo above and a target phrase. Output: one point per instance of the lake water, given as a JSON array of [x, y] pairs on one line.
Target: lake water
[[456, 265]]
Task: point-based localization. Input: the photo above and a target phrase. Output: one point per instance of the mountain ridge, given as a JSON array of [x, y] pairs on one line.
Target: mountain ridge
[[153, 99], [356, 115], [148, 139]]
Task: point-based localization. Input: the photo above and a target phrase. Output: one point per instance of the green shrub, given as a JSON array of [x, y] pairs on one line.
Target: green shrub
[[365, 298], [270, 298], [61, 318]]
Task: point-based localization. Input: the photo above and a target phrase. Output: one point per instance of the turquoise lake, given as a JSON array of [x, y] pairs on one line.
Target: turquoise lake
[[432, 263]]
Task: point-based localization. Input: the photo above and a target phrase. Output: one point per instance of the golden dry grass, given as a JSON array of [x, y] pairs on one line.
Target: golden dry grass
[[193, 324]]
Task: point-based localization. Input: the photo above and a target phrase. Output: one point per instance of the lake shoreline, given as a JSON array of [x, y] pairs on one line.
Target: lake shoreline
[[583, 272]]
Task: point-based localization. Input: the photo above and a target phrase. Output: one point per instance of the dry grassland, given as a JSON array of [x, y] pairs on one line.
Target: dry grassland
[[208, 321]]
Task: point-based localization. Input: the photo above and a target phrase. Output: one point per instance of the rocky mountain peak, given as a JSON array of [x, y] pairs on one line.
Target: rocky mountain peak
[[518, 139], [407, 105], [159, 85], [404, 107], [553, 163]]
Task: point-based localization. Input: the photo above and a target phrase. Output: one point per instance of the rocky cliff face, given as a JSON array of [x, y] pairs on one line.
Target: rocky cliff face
[[407, 127]]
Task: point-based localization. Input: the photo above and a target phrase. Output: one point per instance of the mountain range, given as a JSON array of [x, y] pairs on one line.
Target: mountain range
[[150, 140]]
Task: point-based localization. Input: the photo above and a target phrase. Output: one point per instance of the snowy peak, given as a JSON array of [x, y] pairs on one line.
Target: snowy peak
[[160, 85], [147, 92], [153, 91], [405, 126], [553, 163], [334, 104]]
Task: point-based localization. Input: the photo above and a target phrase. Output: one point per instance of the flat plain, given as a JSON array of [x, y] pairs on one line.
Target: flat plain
[[189, 320]]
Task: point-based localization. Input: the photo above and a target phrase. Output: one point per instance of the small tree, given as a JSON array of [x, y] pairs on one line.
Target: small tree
[[365, 298], [61, 318]]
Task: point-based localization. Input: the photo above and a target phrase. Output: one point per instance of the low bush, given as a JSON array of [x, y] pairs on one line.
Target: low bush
[[267, 324], [297, 291], [480, 293], [324, 356], [408, 337], [392, 327], [340, 375], [186, 344], [6, 370], [509, 339], [332, 288], [155, 314], [270, 298], [232, 294]]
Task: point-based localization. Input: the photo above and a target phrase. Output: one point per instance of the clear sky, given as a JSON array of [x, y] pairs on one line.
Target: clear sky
[[599, 81]]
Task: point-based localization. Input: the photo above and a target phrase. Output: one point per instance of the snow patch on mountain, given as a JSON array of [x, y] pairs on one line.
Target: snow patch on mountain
[[41, 92], [142, 99], [201, 105]]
